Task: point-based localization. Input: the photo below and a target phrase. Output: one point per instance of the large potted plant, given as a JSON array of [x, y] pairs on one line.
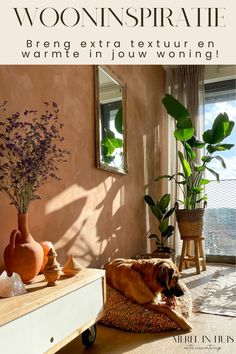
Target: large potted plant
[[191, 178], [29, 154], [162, 213]]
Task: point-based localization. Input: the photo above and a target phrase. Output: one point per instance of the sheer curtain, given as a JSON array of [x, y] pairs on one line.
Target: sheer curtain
[[186, 83]]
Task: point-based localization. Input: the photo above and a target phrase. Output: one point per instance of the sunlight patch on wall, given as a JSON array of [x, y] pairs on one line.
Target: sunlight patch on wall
[[118, 201], [83, 237], [65, 198], [145, 166]]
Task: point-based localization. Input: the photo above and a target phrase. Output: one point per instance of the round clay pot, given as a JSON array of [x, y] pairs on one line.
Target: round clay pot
[[46, 245], [23, 255]]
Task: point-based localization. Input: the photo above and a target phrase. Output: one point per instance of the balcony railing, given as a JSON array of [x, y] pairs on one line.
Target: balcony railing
[[220, 218]]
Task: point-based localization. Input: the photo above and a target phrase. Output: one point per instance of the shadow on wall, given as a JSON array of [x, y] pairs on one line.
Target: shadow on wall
[[91, 232], [92, 213], [97, 225]]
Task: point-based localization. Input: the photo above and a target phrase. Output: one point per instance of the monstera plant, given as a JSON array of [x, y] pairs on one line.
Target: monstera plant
[[191, 177]]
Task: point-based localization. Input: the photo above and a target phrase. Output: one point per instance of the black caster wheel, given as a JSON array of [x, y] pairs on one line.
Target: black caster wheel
[[89, 336]]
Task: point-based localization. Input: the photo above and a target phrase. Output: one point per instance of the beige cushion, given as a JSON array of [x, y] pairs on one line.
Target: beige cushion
[[122, 313]]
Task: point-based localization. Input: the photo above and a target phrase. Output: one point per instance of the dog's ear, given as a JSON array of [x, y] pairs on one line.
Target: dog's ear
[[166, 273]]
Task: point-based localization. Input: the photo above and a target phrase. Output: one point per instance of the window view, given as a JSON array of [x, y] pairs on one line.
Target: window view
[[220, 223]]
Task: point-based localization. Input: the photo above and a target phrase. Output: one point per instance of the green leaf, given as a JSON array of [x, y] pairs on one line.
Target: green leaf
[[184, 123], [163, 225], [169, 231], [199, 168], [164, 202], [211, 148], [148, 199], [168, 235], [109, 133], [158, 242], [111, 144], [221, 128], [203, 181], [183, 134], [105, 158], [193, 142], [169, 213], [190, 153], [185, 165], [206, 158], [117, 143], [180, 201], [156, 211], [182, 182], [219, 158], [197, 190], [153, 236], [178, 174], [230, 128], [169, 176], [161, 177], [119, 121], [209, 159], [174, 107], [214, 173], [207, 136], [219, 147], [200, 200], [107, 143]]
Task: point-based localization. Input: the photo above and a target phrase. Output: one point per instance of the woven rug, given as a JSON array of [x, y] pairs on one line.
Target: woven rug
[[219, 296]]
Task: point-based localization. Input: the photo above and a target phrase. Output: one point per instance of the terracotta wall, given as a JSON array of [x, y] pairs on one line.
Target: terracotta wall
[[92, 213]]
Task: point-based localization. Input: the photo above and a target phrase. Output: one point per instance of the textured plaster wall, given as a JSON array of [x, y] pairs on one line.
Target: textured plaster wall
[[92, 213]]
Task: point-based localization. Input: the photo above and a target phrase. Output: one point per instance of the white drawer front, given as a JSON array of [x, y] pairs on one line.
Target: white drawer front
[[31, 334]]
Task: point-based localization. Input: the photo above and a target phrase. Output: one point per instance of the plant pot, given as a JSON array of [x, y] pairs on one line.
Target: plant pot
[[190, 222], [161, 255], [23, 255], [154, 255]]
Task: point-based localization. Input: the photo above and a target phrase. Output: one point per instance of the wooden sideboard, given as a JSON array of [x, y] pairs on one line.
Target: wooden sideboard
[[47, 318]]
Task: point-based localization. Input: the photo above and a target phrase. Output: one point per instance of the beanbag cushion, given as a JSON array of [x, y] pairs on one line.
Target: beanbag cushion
[[122, 313]]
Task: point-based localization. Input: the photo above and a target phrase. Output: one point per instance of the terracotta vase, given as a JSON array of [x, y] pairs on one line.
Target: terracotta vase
[[23, 255]]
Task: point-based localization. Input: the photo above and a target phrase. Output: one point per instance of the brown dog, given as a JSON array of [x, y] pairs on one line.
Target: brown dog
[[142, 281]]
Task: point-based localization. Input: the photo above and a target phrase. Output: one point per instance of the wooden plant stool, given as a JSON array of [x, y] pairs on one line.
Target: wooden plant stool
[[199, 254]]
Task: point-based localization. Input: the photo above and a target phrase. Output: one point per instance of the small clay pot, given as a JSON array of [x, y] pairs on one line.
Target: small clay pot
[[72, 267], [52, 270]]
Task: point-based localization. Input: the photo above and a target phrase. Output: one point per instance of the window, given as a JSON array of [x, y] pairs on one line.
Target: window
[[220, 221]]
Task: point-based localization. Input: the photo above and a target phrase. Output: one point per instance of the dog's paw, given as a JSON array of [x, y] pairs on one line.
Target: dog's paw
[[185, 325]]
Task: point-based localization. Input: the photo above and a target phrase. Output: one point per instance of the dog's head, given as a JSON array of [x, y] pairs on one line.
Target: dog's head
[[161, 276], [168, 275]]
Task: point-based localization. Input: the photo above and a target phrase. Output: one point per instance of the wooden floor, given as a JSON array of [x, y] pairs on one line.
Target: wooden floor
[[217, 329]]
